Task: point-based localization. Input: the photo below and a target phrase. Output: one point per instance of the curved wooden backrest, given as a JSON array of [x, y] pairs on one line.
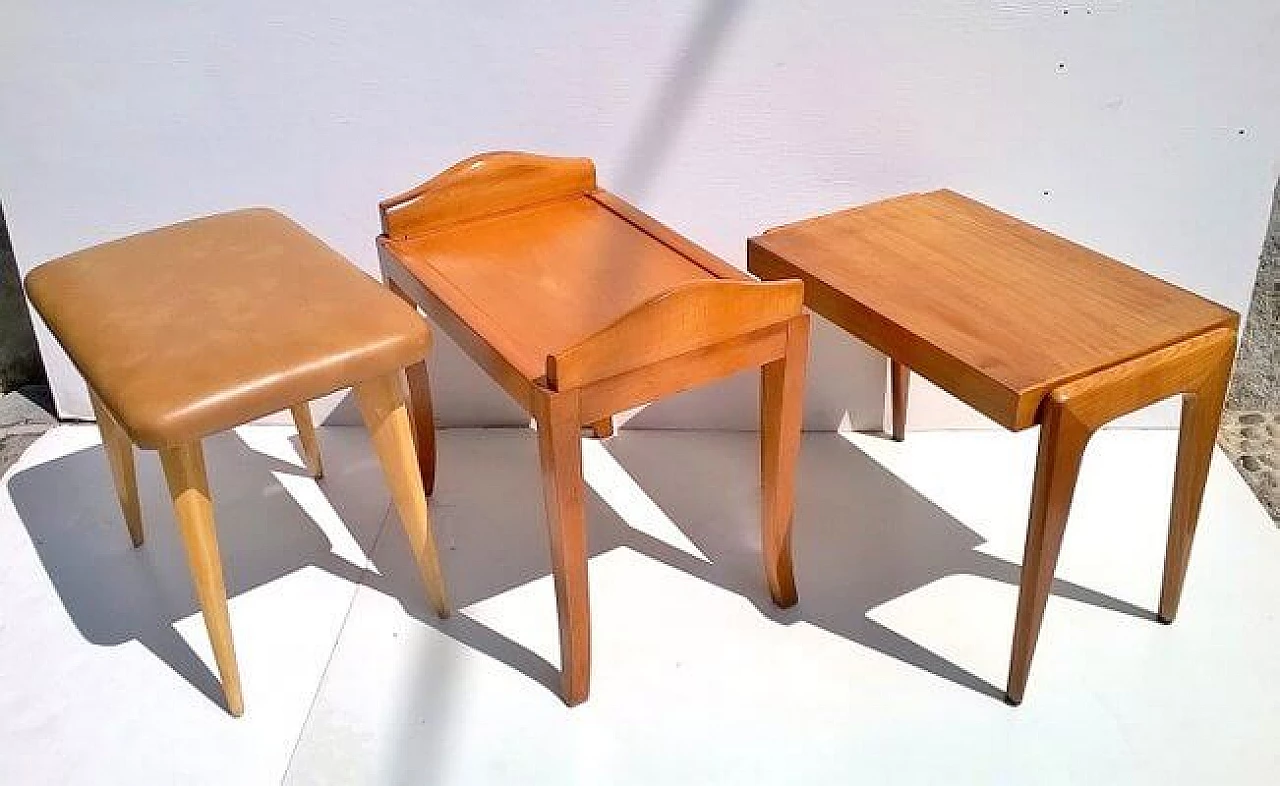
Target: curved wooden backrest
[[483, 185], [689, 317]]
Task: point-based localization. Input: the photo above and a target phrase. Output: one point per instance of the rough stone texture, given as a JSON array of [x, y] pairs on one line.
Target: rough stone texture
[[1250, 431], [1255, 384], [1252, 440], [19, 359], [25, 414]]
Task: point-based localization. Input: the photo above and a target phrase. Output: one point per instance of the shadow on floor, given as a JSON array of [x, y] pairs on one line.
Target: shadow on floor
[[862, 537]]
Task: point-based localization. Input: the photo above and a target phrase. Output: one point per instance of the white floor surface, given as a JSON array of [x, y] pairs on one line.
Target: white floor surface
[[888, 671]]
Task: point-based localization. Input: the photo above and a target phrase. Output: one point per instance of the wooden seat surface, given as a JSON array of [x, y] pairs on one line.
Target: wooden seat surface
[[546, 276], [995, 310]]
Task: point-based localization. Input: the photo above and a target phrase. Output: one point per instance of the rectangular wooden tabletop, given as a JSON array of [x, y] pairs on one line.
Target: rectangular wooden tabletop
[[994, 310]]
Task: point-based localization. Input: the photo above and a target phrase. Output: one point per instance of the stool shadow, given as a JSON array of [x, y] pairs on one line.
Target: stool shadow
[[114, 593], [862, 538]]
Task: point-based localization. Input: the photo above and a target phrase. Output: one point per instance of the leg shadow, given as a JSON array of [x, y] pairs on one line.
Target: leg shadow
[[862, 537], [114, 593]]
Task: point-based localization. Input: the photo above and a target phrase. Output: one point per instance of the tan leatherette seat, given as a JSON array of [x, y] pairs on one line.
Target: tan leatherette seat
[[197, 327]]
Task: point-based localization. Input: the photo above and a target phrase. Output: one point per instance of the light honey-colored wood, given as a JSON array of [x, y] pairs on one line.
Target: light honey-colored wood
[[899, 384], [993, 310], [681, 373], [421, 411], [781, 413], [119, 449], [580, 307], [387, 418], [694, 315], [602, 428], [560, 455], [188, 485], [307, 436], [1027, 328], [485, 185], [1198, 369]]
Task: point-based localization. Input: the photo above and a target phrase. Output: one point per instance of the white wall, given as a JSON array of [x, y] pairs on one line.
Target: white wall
[[1149, 131]]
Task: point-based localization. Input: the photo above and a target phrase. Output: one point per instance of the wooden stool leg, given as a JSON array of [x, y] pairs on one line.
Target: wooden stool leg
[[560, 453], [189, 487], [421, 412], [119, 450], [422, 418], [781, 415], [387, 419], [307, 436], [1201, 414], [899, 382], [602, 429], [1062, 443]]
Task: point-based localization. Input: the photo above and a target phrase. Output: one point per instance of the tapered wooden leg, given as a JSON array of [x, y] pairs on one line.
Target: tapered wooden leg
[[307, 436], [602, 429], [781, 413], [387, 418], [899, 382], [560, 452], [189, 487], [421, 412], [1201, 413], [1062, 443], [119, 450]]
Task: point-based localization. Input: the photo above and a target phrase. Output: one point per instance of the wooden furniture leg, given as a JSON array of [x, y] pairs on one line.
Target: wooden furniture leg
[[387, 418], [899, 382], [421, 411], [781, 414], [1062, 443], [602, 428], [1201, 414], [560, 454], [307, 436], [1197, 368], [189, 487], [119, 450], [422, 419]]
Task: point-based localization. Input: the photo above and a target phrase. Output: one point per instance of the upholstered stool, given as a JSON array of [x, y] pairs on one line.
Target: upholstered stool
[[202, 326]]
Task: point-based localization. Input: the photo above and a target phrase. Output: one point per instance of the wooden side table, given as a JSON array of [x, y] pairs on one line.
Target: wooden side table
[[580, 306], [1027, 328]]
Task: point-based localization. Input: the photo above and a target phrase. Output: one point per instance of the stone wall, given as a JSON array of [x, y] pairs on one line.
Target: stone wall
[[1255, 385]]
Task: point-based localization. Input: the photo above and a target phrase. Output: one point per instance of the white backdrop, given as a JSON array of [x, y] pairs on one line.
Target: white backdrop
[[1149, 131]]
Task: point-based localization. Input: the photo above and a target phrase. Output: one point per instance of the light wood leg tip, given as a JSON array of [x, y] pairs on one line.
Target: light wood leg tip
[[136, 540], [573, 697], [235, 710], [784, 599], [1011, 700]]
